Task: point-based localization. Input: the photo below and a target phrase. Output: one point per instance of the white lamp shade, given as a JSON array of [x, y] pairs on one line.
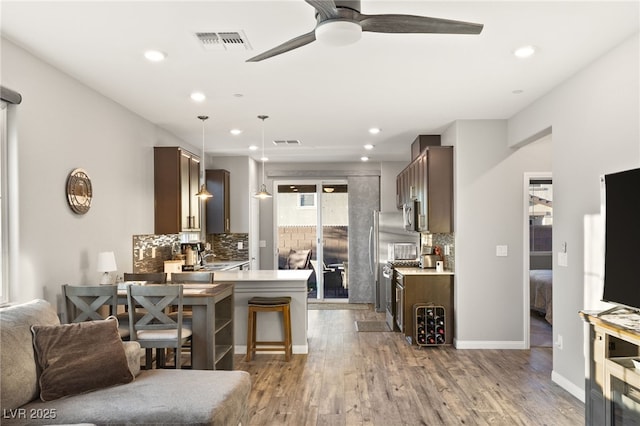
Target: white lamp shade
[[106, 262], [338, 32]]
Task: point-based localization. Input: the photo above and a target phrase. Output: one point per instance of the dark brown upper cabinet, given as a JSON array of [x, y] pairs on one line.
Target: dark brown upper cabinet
[[218, 207], [176, 182], [429, 179]]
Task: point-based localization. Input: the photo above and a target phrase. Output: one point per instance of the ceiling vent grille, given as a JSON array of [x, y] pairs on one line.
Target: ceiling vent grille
[[288, 142], [229, 40]]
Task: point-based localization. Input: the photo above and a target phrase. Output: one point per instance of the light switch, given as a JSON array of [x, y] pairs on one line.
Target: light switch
[[502, 251], [563, 259], [263, 243], [240, 245]]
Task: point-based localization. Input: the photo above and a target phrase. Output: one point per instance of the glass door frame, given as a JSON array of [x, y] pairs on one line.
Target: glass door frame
[[319, 183]]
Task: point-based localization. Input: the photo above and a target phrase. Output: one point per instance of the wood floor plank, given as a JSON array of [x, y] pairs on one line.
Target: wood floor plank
[[356, 378]]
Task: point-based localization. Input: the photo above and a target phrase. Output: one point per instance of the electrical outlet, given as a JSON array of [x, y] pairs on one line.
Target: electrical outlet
[[240, 245], [447, 249], [153, 252], [141, 254], [559, 341]]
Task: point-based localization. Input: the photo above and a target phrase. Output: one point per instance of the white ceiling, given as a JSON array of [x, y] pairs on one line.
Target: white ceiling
[[406, 84]]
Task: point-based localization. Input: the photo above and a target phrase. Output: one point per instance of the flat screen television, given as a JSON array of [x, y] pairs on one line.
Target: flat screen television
[[622, 239]]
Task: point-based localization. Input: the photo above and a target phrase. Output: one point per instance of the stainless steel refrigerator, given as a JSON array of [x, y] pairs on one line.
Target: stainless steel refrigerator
[[388, 227]]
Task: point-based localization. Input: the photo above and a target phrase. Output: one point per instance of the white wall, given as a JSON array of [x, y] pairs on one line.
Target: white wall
[[61, 125], [489, 212], [596, 130]]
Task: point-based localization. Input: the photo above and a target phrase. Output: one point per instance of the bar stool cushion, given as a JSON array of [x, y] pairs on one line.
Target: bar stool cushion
[[269, 301]]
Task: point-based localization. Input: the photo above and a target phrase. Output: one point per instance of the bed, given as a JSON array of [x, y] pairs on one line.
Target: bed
[[540, 281]]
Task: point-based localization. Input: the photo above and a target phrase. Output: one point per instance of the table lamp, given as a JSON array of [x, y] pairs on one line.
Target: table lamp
[[106, 265]]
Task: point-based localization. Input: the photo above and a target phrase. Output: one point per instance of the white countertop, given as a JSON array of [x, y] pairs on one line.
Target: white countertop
[[263, 275], [223, 265], [420, 271]]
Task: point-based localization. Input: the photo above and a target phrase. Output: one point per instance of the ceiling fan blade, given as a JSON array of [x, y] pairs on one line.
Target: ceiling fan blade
[[416, 24], [326, 8], [294, 43]]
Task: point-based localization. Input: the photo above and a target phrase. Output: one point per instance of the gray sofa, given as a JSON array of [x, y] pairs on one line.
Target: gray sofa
[[153, 397]]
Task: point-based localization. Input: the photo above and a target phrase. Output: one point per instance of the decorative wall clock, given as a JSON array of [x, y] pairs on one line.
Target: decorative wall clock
[[79, 192]]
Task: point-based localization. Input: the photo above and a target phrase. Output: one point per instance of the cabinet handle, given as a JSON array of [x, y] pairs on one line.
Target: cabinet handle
[[227, 224]]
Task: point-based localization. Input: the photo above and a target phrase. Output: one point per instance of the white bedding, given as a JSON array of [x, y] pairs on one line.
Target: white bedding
[[540, 285]]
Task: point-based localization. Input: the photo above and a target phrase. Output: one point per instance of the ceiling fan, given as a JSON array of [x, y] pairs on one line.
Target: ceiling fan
[[340, 22]]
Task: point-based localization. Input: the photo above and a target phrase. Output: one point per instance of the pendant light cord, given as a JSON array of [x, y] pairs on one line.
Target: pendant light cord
[[203, 118], [263, 117]]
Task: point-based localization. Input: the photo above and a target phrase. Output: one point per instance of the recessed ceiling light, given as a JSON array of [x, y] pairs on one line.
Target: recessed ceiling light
[[368, 147], [364, 158], [263, 159], [525, 51], [235, 132], [198, 96], [155, 55], [517, 91], [374, 130], [253, 148]]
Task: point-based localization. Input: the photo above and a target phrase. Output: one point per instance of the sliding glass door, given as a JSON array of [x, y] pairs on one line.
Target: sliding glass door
[[312, 233]]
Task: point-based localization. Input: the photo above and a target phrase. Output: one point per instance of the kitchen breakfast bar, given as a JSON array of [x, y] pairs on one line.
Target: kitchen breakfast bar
[[269, 283]]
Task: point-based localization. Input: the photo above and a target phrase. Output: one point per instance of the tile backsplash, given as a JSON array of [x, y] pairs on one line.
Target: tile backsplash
[[441, 240], [150, 251], [225, 246]]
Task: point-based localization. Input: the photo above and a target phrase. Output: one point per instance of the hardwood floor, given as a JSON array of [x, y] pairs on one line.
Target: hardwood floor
[[375, 378]]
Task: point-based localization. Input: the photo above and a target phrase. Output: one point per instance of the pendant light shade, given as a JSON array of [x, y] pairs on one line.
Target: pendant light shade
[[203, 194], [263, 193]]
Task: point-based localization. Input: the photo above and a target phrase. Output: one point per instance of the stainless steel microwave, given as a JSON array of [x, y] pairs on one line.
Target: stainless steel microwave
[[410, 215]]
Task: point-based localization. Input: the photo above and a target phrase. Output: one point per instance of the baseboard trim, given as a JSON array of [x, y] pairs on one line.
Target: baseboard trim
[[488, 344], [569, 386]]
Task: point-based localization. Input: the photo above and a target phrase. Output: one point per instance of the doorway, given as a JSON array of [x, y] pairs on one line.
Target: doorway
[[313, 217], [539, 259]]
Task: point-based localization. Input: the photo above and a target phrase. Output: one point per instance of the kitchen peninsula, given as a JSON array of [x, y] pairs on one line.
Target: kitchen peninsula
[[269, 283]]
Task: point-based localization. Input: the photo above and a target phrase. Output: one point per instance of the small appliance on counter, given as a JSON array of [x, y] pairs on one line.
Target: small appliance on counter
[[429, 261], [192, 254]]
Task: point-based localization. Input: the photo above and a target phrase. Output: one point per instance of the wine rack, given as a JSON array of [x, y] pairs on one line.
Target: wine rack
[[429, 325]]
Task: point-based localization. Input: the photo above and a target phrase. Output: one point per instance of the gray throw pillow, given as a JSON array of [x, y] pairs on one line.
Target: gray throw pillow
[[78, 358]]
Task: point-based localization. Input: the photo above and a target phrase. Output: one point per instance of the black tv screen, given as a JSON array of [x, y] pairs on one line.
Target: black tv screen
[[622, 239]]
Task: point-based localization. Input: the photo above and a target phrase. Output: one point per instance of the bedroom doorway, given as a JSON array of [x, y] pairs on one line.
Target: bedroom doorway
[[540, 259]]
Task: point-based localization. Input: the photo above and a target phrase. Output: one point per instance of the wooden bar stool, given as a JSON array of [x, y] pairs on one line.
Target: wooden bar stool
[[269, 304]]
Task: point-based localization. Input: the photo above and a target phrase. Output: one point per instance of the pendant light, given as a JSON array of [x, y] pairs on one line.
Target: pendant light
[[263, 193], [203, 194]]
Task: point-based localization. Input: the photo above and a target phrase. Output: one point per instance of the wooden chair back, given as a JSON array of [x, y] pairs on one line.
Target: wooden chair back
[[83, 303], [156, 328]]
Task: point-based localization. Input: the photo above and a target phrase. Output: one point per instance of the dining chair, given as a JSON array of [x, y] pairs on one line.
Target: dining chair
[[190, 277], [147, 277], [156, 329], [90, 303]]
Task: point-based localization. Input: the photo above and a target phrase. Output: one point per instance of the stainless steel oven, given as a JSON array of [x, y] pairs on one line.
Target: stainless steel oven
[[394, 295], [399, 286], [390, 295]]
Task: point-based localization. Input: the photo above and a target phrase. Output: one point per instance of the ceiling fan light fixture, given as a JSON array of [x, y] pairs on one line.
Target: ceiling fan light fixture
[[338, 32]]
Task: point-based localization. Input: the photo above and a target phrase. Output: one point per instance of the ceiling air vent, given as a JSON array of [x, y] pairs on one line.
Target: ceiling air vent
[[224, 40], [289, 142]]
